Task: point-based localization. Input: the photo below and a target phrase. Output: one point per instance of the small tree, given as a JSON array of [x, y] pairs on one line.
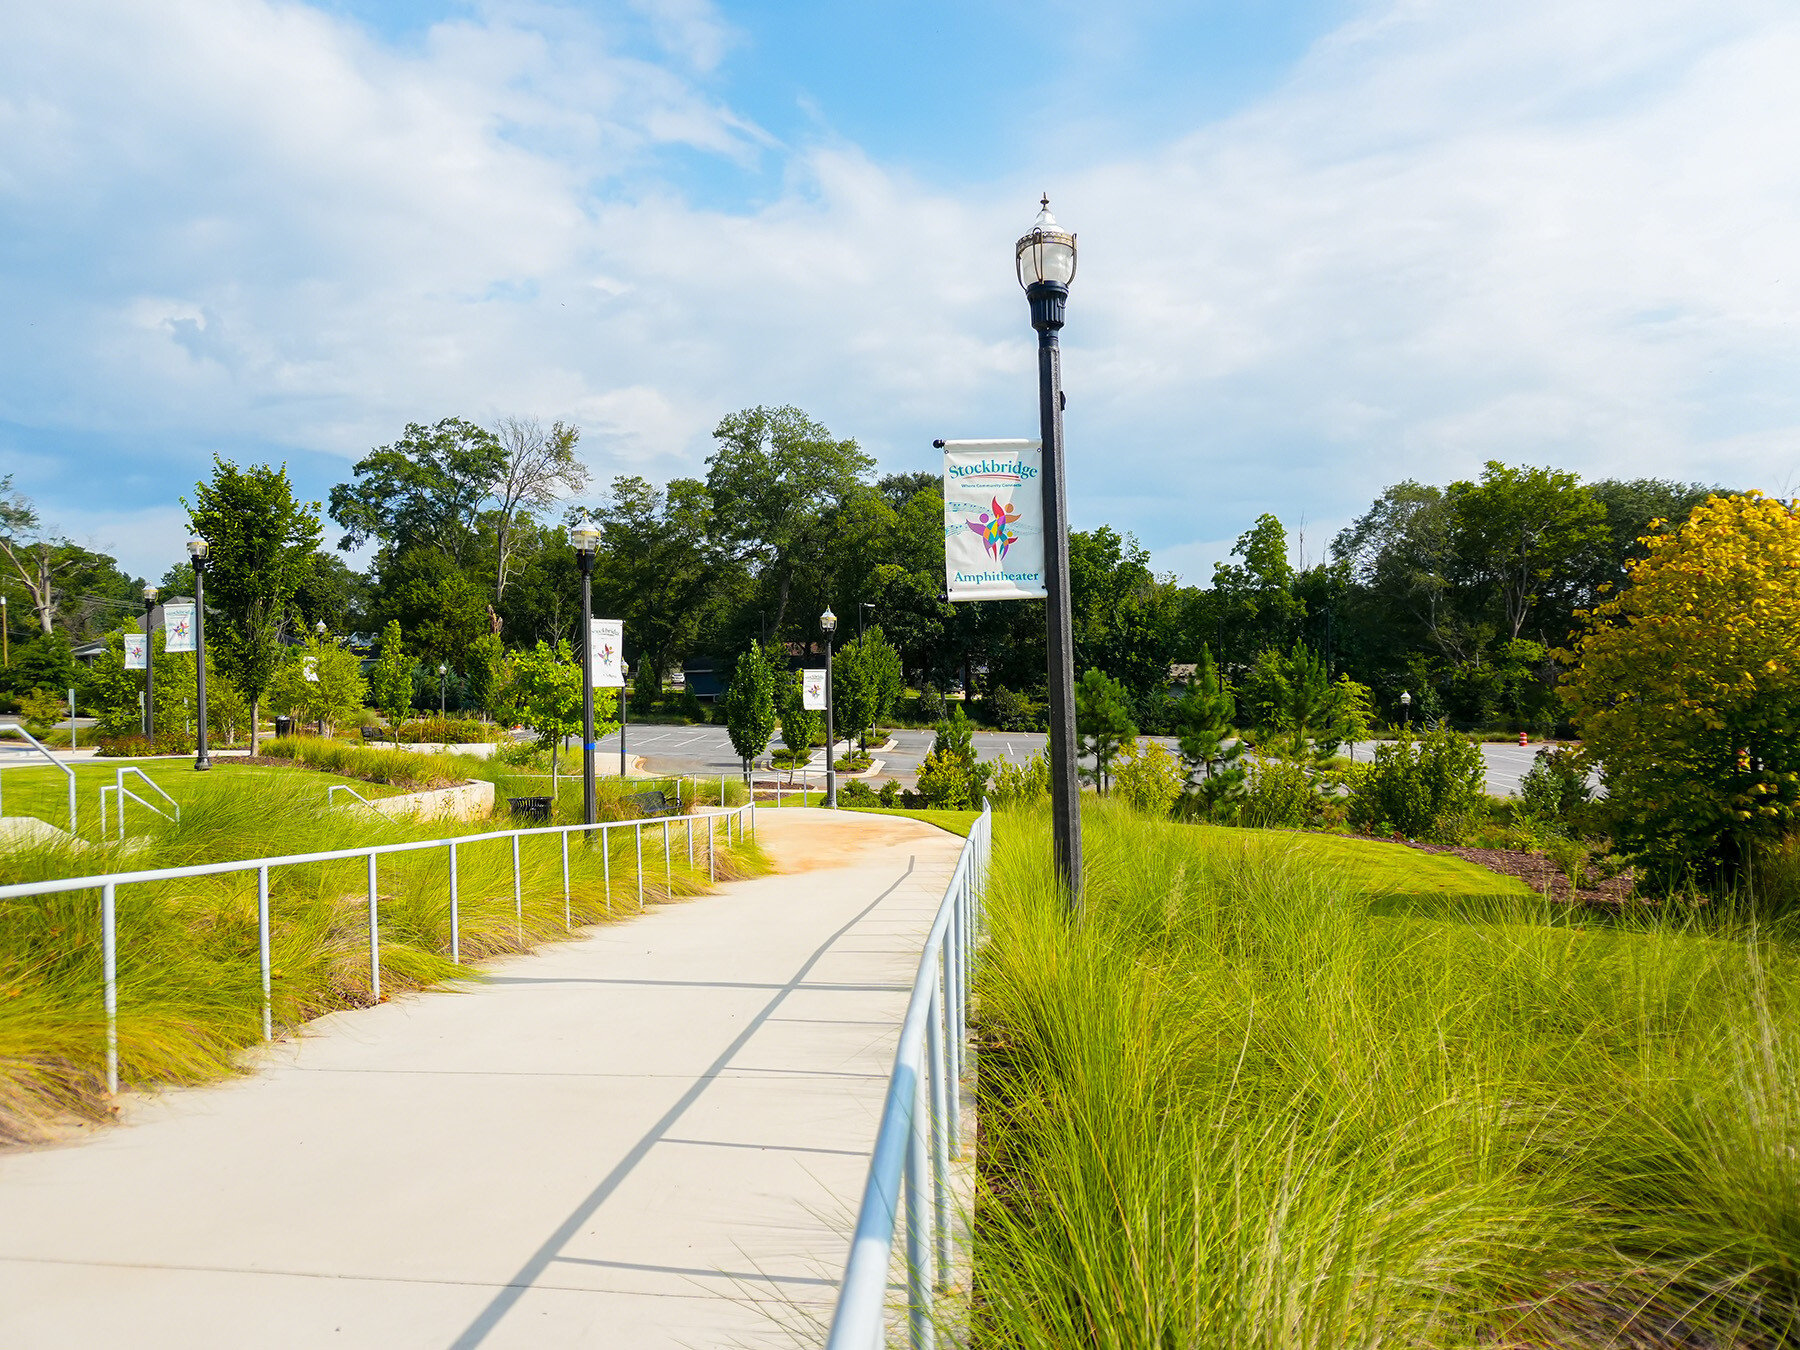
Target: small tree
[[1349, 713], [750, 705], [319, 682], [1102, 723], [885, 673], [853, 689], [1687, 690], [546, 689], [482, 684], [391, 681], [952, 777], [799, 725], [1149, 777], [1211, 751]]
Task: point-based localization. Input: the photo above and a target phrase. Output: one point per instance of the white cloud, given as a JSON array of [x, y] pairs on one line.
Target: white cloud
[[1533, 232]]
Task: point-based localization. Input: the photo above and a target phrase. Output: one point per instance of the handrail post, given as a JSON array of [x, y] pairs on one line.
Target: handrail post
[[712, 861], [953, 1057], [690, 835], [374, 936], [638, 833], [606, 868], [518, 894], [455, 918], [110, 957], [568, 917], [668, 866], [262, 947], [940, 1150], [918, 1251]]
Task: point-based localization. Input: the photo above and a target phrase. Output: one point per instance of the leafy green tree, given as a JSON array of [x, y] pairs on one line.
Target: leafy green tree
[[750, 705], [1211, 751], [319, 682], [391, 679], [1102, 723], [1257, 607], [660, 569], [853, 690], [952, 777], [261, 540], [441, 608], [426, 490], [1148, 777], [776, 480], [482, 676], [1523, 540], [1349, 715], [546, 689], [800, 726]]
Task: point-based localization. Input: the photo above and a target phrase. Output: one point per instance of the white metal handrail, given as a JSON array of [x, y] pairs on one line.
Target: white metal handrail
[[921, 1125], [737, 820], [332, 792], [54, 762]]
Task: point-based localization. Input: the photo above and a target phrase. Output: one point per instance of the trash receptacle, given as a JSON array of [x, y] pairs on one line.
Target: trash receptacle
[[531, 808], [284, 726]]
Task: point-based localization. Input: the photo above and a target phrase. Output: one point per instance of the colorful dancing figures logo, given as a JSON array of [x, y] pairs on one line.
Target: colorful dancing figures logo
[[996, 537], [180, 629]]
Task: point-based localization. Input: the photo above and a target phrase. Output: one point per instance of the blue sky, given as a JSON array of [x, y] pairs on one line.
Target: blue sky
[[1324, 245]]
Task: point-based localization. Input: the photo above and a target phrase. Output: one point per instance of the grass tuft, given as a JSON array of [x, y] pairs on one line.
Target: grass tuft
[[1266, 1096]]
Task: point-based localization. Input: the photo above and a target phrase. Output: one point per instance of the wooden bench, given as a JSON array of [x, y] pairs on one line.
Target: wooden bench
[[374, 733]]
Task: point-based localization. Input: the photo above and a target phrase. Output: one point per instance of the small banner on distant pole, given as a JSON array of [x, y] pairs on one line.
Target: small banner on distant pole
[[812, 690], [136, 644], [993, 520], [178, 628], [606, 654]]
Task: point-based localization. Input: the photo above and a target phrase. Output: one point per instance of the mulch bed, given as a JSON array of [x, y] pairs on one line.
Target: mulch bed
[[1539, 873]]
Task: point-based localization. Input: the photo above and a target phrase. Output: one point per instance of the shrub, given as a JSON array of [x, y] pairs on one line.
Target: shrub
[[40, 709], [1556, 786], [447, 731], [890, 793], [1419, 785], [1007, 711], [857, 793], [1278, 794], [1023, 784], [929, 704], [944, 782], [1148, 776], [138, 747]]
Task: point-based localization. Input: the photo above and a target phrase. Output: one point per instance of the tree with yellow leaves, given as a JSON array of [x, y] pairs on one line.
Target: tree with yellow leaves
[[1686, 689]]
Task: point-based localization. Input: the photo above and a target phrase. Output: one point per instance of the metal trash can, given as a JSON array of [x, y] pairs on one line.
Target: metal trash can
[[284, 726], [531, 808]]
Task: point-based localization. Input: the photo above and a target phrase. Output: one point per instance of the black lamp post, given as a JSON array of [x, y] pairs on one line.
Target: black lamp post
[[828, 623], [197, 549], [1406, 709], [150, 668], [625, 714], [443, 682], [1045, 262], [584, 535]]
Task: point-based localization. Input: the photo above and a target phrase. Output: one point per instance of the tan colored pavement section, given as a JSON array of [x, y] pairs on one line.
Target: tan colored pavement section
[[653, 1136]]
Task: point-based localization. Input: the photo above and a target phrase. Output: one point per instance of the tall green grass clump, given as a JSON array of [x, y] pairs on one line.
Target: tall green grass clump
[[189, 974], [1250, 1102]]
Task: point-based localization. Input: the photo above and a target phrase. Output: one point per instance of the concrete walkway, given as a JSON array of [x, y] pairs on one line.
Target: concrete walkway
[[653, 1136]]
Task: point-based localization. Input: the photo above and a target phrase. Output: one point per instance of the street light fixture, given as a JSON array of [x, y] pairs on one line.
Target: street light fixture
[[443, 680], [828, 623], [625, 713], [149, 668], [1406, 708], [584, 537], [197, 551], [5, 631], [1045, 262]]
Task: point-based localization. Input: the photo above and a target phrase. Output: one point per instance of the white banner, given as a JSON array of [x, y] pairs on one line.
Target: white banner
[[812, 690], [178, 628], [136, 644], [606, 654], [309, 668], [993, 520]]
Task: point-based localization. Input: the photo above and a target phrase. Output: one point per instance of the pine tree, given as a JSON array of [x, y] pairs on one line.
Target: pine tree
[[1211, 750], [1103, 723]]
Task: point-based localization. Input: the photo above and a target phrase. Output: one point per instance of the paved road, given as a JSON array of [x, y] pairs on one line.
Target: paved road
[[655, 1135], [707, 749]]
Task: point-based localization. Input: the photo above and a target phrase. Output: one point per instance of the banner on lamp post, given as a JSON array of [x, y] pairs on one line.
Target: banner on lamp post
[[812, 690], [993, 520], [178, 628], [606, 654], [136, 645]]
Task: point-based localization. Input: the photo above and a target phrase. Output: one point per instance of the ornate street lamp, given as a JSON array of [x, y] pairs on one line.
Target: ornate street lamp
[[828, 623], [150, 668], [584, 537], [625, 711], [443, 681], [1045, 262], [197, 551], [1406, 708]]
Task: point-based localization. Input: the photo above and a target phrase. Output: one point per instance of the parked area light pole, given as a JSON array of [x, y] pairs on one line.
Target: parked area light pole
[[197, 551], [5, 632], [1406, 709], [1045, 262], [828, 623], [625, 714], [150, 667], [443, 682], [584, 536]]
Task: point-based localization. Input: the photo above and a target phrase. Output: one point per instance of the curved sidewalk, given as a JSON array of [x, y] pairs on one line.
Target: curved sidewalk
[[655, 1135]]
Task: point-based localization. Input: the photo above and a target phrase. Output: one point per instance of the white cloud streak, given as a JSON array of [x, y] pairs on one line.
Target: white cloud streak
[[1533, 232]]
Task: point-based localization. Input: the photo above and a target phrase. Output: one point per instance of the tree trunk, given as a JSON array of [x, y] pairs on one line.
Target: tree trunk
[[255, 723]]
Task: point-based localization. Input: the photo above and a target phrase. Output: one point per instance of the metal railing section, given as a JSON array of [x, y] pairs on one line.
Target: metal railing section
[[121, 792], [738, 821], [332, 792], [921, 1125], [54, 763]]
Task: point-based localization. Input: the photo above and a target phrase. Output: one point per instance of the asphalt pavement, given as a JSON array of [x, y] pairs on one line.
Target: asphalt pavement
[[707, 750]]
